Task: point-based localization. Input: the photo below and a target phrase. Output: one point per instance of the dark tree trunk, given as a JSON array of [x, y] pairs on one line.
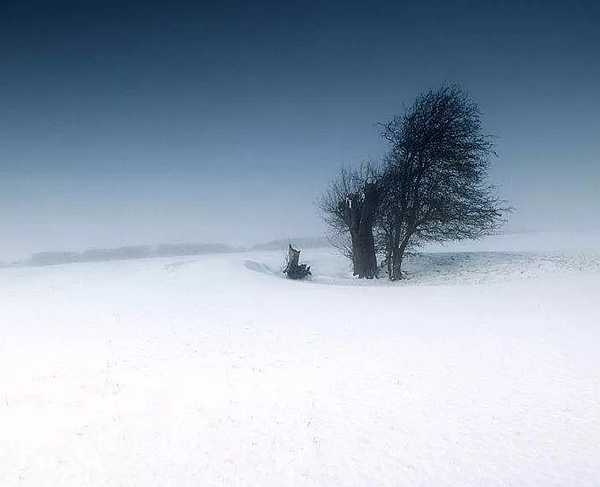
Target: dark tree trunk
[[388, 261], [368, 259], [395, 267], [363, 253], [359, 214], [355, 256], [396, 261]]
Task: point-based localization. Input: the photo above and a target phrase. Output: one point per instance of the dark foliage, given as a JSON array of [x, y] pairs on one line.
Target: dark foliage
[[434, 178]]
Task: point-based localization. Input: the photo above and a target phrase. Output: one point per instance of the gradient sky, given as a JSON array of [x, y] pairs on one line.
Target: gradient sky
[[147, 122]]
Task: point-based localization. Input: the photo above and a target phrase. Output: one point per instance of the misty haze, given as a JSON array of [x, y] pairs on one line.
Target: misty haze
[[279, 243]]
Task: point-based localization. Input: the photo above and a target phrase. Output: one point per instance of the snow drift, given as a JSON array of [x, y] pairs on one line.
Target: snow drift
[[481, 369]]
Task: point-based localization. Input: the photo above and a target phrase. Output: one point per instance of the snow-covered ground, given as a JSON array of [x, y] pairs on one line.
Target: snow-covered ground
[[481, 369]]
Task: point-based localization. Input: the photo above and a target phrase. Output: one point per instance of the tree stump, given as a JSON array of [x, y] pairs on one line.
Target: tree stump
[[294, 270]]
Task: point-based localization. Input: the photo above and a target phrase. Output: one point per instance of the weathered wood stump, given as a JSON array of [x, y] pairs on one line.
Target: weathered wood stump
[[294, 270]]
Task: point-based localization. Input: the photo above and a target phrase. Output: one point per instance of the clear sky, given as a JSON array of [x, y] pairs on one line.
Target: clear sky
[[148, 122]]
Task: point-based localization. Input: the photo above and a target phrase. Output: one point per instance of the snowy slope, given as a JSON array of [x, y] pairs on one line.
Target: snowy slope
[[481, 369]]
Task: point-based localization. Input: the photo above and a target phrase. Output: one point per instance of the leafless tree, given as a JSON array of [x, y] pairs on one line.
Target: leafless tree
[[349, 208], [434, 178]]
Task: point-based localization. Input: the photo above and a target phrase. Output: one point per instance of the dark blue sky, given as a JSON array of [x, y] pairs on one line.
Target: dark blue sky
[[145, 122]]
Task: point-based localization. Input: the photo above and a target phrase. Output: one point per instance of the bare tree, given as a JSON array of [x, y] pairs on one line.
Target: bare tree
[[433, 184], [349, 208]]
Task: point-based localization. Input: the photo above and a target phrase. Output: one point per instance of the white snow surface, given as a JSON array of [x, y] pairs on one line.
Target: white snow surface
[[482, 368]]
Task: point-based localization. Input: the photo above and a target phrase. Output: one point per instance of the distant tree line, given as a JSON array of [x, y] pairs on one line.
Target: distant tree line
[[430, 186], [127, 253]]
